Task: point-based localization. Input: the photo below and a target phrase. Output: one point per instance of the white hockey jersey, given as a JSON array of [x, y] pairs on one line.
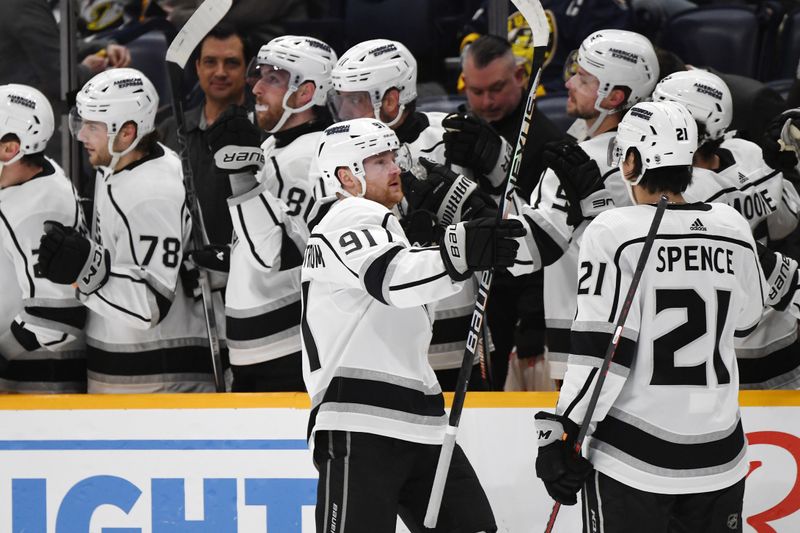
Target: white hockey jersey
[[262, 298], [144, 334], [769, 357], [668, 416], [744, 182], [41, 322], [553, 244], [366, 327]]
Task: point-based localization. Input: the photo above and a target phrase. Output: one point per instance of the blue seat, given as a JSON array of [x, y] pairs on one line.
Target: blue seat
[[443, 104], [789, 46], [555, 108], [409, 21], [724, 37], [148, 53]]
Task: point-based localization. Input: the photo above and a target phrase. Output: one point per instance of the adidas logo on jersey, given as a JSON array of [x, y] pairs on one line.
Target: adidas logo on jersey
[[742, 178], [697, 226]]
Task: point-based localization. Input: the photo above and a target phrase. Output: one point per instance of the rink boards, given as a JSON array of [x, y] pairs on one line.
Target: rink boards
[[239, 463]]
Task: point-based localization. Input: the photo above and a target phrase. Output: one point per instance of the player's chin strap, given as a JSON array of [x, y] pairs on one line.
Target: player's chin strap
[[11, 161], [376, 110], [601, 117], [116, 156], [289, 111], [346, 194]]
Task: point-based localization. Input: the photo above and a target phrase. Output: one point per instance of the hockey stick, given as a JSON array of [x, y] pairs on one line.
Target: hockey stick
[[70, 151], [201, 22], [534, 13], [612, 346]]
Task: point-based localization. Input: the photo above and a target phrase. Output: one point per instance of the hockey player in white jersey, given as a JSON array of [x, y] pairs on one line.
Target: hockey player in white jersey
[[376, 404], [143, 333], [614, 69], [657, 469], [263, 302], [378, 78], [732, 170], [41, 323]]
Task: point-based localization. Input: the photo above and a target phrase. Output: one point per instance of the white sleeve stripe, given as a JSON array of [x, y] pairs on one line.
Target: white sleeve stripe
[[417, 283], [127, 225], [582, 393], [277, 176], [269, 210], [384, 223], [249, 240], [58, 341], [21, 253], [120, 308]]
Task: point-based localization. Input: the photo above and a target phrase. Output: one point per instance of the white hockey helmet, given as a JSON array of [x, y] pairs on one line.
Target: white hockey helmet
[[348, 144], [116, 97], [704, 94], [617, 58], [376, 66], [305, 59], [664, 134], [25, 112]]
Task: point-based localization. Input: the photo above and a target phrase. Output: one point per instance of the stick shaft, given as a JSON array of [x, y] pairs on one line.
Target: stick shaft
[[612, 346]]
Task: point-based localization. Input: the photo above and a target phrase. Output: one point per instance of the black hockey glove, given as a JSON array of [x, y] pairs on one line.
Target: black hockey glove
[[562, 471], [236, 145], [480, 244], [777, 157], [212, 258], [529, 338], [67, 257], [580, 179], [421, 228], [452, 197], [471, 142]]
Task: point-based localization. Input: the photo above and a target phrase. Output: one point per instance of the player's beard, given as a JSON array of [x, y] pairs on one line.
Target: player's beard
[[574, 112], [267, 115]]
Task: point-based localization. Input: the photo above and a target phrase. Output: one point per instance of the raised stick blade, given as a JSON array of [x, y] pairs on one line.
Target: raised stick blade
[[533, 12], [199, 24]]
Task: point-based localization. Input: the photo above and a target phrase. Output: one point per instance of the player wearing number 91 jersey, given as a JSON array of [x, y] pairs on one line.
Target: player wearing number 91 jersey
[[143, 333], [368, 304], [667, 419]]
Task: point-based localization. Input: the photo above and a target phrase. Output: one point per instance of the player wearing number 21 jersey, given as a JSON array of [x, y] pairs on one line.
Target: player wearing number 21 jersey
[[667, 418]]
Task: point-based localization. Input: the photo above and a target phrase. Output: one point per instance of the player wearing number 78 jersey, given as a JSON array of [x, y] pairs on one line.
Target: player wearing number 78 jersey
[[143, 333], [668, 446]]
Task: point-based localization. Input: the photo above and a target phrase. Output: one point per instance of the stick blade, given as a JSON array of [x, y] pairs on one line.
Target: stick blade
[[199, 24], [533, 12]]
